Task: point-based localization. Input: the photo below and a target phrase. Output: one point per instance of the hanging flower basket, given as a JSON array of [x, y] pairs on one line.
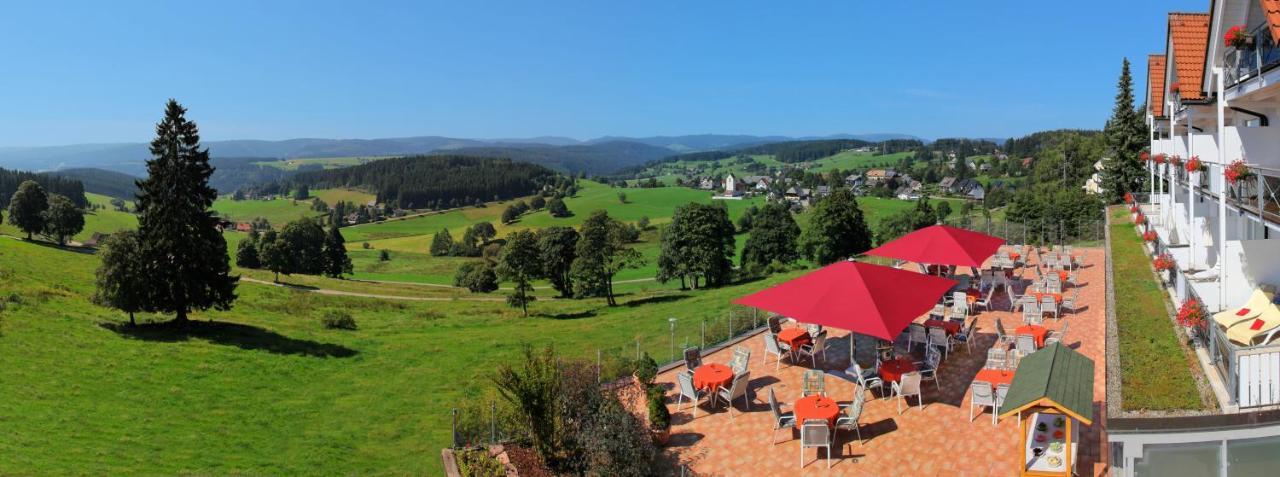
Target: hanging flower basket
[[1161, 158], [1175, 88], [1237, 38], [1163, 262], [1194, 164], [1144, 156], [1238, 171], [1140, 219], [1133, 209], [1149, 236], [1128, 198], [1175, 161]]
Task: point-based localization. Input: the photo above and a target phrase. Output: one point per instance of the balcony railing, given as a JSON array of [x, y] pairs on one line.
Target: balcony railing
[[1259, 194], [1249, 61]]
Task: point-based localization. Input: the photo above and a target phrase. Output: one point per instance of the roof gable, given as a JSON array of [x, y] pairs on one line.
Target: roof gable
[[1189, 35], [1055, 375], [1155, 85]]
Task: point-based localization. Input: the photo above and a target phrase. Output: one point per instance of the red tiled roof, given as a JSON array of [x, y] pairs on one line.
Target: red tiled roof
[[1155, 83], [1272, 9], [1189, 33]]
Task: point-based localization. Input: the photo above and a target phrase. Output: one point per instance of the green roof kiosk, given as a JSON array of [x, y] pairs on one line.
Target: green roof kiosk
[[1052, 394]]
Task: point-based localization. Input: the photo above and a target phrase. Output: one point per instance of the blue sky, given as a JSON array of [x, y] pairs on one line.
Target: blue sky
[[101, 71]]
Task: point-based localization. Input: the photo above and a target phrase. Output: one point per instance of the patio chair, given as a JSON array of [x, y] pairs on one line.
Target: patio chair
[[775, 324], [985, 300], [1026, 344], [817, 347], [685, 381], [852, 412], [1072, 302], [1001, 391], [1031, 314], [815, 382], [736, 390], [772, 347], [957, 314], [1056, 336], [815, 433], [983, 395], [909, 385], [1027, 299], [938, 339], [939, 312], [1002, 336], [995, 358], [960, 300], [741, 359], [916, 334], [868, 378], [814, 330], [692, 358], [929, 367], [1049, 305], [781, 420], [968, 335]]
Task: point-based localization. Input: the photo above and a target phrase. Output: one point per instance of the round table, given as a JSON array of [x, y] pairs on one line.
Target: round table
[[893, 370], [816, 407], [710, 377], [794, 337], [995, 376], [951, 327], [1037, 331], [1057, 297]]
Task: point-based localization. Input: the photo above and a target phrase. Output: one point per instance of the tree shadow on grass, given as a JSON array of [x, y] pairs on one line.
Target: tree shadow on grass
[[295, 286], [649, 300], [568, 316], [230, 334]]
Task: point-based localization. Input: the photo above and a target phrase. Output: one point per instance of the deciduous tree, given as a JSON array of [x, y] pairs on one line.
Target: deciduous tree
[[520, 262], [120, 281], [26, 208], [773, 238], [836, 229], [557, 250], [601, 253], [441, 243], [62, 219]]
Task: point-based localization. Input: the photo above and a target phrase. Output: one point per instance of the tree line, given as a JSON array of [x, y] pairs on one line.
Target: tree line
[[70, 188], [302, 246], [33, 210], [424, 182]]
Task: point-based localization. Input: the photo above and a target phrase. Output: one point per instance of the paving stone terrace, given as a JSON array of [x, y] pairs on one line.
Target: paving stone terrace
[[938, 439]]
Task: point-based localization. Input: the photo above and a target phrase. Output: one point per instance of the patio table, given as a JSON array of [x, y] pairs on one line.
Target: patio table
[[994, 376], [972, 295], [950, 326], [1037, 331], [1040, 296], [710, 377], [893, 370], [816, 407], [794, 337], [1062, 275], [1015, 256]]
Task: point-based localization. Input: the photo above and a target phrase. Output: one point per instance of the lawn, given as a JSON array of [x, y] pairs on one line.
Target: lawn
[[333, 196], [279, 211], [105, 220], [1155, 370], [263, 388], [857, 160]]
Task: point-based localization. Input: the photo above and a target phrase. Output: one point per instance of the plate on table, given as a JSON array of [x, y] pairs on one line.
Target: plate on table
[[1055, 447], [1054, 461]]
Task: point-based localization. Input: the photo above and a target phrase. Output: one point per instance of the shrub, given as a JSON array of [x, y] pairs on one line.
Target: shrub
[[659, 416], [384, 256], [477, 277], [366, 245], [479, 463], [338, 320], [646, 370]]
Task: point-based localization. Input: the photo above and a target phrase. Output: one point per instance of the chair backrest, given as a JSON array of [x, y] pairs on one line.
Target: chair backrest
[[1048, 302], [995, 358], [775, 324], [971, 329], [686, 385], [910, 383], [773, 405], [815, 432], [815, 382], [1001, 391], [1000, 329], [937, 336], [932, 357], [959, 297], [917, 332], [854, 410], [939, 310], [983, 393], [820, 343], [1026, 344], [771, 344], [692, 358], [813, 329], [739, 386], [1030, 311]]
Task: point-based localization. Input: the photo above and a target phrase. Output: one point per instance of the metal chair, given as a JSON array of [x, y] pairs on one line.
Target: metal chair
[[1071, 303], [815, 382], [1031, 314], [852, 412], [983, 395], [939, 312], [908, 385], [995, 358], [815, 433], [937, 338], [957, 314], [1049, 305], [1056, 336], [929, 367], [738, 389], [960, 300], [985, 300], [814, 330], [1002, 336], [814, 348], [685, 381], [916, 334], [1026, 344], [868, 378], [969, 335], [692, 358], [775, 324], [741, 359], [781, 420], [772, 347], [1001, 391]]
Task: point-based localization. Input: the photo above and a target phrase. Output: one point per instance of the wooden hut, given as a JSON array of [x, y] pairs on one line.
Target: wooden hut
[[1052, 395]]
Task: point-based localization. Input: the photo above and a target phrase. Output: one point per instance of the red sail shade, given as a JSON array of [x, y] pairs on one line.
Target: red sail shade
[[860, 297], [941, 244]]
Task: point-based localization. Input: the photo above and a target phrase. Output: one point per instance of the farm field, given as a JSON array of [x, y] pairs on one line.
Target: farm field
[[333, 196], [106, 220], [279, 211], [325, 162], [281, 394], [667, 173]]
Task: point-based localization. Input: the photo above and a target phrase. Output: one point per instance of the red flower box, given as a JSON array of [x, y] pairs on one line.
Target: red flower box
[[1133, 209], [1140, 219], [1150, 236], [1236, 36], [1175, 160], [1194, 165], [1144, 156], [1237, 171], [1175, 88], [1191, 314], [1128, 197], [1163, 262], [1161, 158]]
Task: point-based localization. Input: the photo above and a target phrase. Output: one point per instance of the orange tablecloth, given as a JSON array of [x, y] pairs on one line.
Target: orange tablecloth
[[1040, 296], [893, 370], [951, 326], [794, 337], [1039, 332], [816, 407], [1062, 275], [994, 376], [972, 295], [1015, 255], [710, 377]]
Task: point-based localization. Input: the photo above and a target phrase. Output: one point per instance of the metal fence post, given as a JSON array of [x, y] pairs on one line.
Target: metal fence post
[[672, 320], [455, 428], [731, 324], [493, 422], [599, 354], [703, 335]]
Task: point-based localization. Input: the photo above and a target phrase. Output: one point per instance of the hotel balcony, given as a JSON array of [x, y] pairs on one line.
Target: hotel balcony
[[1251, 61]]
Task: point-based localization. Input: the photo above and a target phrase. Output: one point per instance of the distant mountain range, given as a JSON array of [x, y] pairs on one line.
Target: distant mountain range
[[600, 155]]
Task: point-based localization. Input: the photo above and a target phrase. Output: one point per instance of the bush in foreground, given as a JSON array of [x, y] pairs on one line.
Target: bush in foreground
[[338, 320]]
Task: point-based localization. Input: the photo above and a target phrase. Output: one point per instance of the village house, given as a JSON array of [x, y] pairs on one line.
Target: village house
[[877, 176]]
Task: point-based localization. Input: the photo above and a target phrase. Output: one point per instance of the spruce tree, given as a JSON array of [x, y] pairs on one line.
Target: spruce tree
[[336, 261], [186, 256], [442, 243], [1126, 135]]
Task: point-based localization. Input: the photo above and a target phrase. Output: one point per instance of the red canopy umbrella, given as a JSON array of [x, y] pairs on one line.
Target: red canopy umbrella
[[861, 297], [941, 244]]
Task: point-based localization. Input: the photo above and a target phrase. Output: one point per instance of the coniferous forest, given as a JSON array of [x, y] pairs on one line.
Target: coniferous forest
[[436, 181], [71, 188]]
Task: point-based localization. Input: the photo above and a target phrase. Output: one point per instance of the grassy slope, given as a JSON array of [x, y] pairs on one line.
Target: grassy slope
[[278, 212], [276, 395], [326, 162], [1154, 370], [105, 220], [333, 196]]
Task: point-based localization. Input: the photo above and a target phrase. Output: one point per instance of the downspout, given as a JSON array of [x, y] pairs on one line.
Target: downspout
[[1222, 193], [1262, 118]]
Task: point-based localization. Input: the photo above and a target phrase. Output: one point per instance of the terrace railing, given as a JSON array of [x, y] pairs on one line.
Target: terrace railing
[[1259, 195], [1042, 232], [1250, 61]]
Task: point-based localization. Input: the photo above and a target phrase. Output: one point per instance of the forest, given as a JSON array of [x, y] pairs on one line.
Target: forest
[[1033, 143], [72, 189], [800, 151], [101, 181], [418, 182]]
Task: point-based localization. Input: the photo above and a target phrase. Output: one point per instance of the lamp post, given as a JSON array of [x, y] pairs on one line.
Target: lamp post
[[672, 320]]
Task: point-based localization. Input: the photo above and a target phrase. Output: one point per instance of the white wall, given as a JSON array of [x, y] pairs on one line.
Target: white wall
[[1256, 145]]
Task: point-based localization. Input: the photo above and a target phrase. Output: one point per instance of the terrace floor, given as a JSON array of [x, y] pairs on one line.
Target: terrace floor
[[936, 440]]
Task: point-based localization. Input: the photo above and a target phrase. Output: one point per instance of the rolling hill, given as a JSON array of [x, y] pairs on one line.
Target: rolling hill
[[102, 182]]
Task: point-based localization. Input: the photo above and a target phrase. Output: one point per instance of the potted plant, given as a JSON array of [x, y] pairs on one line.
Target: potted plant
[[1160, 158], [1175, 160], [659, 416], [1128, 198], [646, 371], [1149, 236], [1192, 315], [1144, 156], [1238, 171], [1175, 88], [1194, 164], [1140, 219], [1163, 263], [1237, 38]]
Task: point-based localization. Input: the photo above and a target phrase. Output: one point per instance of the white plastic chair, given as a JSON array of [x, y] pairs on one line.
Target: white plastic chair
[[771, 347], [736, 390], [815, 433], [909, 385], [1031, 314], [1049, 305], [995, 358], [687, 390], [1001, 391], [1026, 344], [983, 395], [781, 420]]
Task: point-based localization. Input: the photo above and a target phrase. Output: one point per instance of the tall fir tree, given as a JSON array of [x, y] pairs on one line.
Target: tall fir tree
[[186, 256], [1126, 136]]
